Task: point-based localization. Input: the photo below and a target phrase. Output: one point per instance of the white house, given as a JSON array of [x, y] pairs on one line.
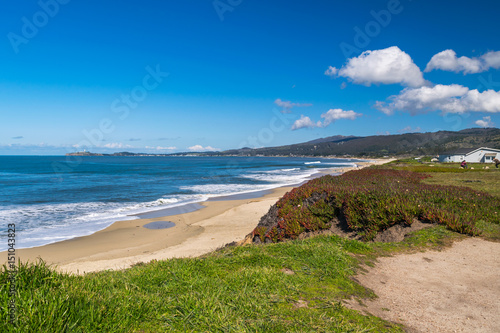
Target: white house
[[471, 155]]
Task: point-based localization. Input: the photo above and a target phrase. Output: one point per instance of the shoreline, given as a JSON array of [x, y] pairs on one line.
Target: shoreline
[[125, 243], [196, 232], [197, 205]]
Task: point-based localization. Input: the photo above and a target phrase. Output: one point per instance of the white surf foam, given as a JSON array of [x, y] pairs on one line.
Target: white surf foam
[[43, 224]]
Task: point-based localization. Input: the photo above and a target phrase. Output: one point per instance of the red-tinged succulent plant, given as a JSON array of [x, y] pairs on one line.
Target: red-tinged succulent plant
[[371, 200]]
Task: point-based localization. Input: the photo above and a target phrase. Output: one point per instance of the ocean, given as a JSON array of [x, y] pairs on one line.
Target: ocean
[[54, 198]]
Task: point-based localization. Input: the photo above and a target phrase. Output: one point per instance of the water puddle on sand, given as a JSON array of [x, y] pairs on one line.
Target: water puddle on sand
[[159, 225]]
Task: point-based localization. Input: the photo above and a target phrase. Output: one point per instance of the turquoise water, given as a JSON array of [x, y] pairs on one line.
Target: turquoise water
[[53, 198]]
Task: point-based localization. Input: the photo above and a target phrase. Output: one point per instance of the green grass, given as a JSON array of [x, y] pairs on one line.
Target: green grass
[[293, 286], [243, 289], [432, 167], [450, 174], [485, 181]]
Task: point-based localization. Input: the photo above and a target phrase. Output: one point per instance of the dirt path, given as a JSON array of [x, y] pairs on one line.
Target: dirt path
[[455, 290]]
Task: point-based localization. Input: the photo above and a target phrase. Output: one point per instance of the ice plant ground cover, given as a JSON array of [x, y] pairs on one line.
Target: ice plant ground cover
[[295, 286], [371, 200]]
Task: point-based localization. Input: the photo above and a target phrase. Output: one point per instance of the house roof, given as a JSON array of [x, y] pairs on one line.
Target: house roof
[[484, 148], [460, 151], [467, 151]]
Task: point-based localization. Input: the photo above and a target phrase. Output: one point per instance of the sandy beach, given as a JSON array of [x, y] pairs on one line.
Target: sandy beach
[[125, 243]]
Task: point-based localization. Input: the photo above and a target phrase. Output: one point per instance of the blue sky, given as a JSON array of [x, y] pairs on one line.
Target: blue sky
[[174, 76]]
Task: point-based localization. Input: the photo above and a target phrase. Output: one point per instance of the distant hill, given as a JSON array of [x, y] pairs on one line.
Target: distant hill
[[336, 138], [383, 145], [412, 144]]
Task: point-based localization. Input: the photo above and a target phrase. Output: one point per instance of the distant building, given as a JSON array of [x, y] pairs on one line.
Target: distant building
[[471, 155]]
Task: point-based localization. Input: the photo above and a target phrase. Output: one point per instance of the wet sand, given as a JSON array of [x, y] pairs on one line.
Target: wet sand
[[195, 233]]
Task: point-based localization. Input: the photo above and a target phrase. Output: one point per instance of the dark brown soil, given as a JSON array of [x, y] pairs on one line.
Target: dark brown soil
[[393, 234]]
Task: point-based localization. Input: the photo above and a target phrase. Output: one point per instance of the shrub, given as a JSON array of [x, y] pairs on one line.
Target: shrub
[[371, 200]]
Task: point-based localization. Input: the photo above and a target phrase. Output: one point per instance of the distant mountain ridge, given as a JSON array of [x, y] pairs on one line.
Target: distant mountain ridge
[[336, 138], [412, 144], [431, 143]]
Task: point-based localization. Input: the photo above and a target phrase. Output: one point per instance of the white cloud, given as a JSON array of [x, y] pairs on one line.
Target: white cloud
[[409, 129], [304, 122], [492, 59], [386, 66], [200, 148], [447, 98], [113, 145], [333, 115], [161, 148], [196, 148], [287, 105], [37, 145], [447, 60], [116, 145], [329, 117], [331, 71], [485, 122], [42, 145]]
